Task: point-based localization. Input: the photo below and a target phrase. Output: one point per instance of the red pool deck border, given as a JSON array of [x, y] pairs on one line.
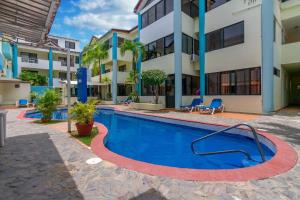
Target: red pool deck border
[[284, 160]]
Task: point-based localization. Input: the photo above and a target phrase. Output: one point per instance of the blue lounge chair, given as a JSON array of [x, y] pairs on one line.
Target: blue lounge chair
[[22, 103], [216, 104], [127, 101], [196, 102]]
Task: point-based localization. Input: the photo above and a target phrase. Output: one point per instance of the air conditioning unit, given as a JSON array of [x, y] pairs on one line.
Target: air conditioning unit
[[194, 58]]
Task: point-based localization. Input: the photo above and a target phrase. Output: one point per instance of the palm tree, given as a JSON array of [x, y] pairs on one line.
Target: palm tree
[[94, 53], [135, 48]]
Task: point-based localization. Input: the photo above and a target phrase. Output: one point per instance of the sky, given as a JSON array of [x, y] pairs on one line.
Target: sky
[[81, 19]]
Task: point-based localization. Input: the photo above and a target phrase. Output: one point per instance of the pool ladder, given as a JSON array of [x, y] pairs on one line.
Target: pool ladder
[[262, 154]]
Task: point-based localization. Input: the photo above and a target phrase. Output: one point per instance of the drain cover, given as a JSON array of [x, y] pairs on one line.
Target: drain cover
[[93, 161]]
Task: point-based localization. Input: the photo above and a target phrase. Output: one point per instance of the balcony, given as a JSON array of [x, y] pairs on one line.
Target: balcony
[[127, 57], [121, 76], [290, 9], [290, 53], [43, 64]]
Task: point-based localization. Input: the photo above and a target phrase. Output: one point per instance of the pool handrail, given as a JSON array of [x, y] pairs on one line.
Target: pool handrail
[[262, 154]]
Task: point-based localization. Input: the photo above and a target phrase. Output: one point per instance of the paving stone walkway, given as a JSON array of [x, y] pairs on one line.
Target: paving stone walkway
[[39, 162]]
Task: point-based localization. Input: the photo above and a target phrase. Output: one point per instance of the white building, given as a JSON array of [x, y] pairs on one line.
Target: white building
[[246, 59]]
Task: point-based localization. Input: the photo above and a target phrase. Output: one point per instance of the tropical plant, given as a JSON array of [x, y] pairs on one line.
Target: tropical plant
[[94, 53], [33, 96], [47, 104], [106, 79], [34, 78], [137, 49], [154, 78], [83, 113]]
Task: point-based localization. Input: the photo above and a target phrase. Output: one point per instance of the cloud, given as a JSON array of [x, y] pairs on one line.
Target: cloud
[[103, 15]]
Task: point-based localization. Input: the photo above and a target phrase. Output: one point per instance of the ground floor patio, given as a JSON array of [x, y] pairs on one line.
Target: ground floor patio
[[43, 162]]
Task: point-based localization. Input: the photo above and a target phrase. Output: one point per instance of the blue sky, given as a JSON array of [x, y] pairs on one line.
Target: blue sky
[[81, 19]]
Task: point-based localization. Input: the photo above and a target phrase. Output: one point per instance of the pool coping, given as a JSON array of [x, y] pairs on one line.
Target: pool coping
[[284, 159]]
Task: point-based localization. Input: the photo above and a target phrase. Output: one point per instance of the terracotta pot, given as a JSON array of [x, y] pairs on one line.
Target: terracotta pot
[[84, 129]]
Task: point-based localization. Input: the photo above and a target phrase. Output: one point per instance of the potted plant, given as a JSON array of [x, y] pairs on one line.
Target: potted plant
[[83, 114], [47, 104]]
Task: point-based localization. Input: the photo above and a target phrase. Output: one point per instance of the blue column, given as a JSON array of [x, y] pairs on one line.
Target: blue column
[[139, 61], [202, 47], [115, 67], [267, 55], [50, 71], [15, 61], [178, 53]]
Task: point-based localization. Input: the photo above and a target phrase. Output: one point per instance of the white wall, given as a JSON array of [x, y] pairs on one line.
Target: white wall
[[160, 28], [165, 63], [9, 94], [241, 104], [240, 56]]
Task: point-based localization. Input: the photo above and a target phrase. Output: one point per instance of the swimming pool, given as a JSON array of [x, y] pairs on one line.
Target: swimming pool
[[166, 142]]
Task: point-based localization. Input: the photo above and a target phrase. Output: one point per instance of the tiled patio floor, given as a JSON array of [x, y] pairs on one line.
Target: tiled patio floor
[[40, 162]]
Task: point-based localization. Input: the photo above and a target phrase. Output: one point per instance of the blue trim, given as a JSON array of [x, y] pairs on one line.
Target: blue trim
[[114, 85], [178, 53], [50, 71], [15, 61], [139, 61], [267, 56], [202, 47]]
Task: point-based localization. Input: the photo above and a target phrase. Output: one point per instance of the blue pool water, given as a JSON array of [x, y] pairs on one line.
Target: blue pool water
[[168, 143]]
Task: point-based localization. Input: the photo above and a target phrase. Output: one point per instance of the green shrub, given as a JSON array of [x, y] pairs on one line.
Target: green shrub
[[34, 78], [83, 113], [47, 104]]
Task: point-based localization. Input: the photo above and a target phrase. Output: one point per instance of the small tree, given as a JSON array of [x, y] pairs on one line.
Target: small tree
[[47, 104], [154, 78]]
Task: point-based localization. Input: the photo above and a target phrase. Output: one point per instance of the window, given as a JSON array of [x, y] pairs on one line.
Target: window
[[255, 81], [77, 59], [152, 50], [144, 20], [151, 15], [190, 8], [242, 82], [225, 37], [69, 45], [169, 6], [63, 61], [160, 10], [214, 40], [212, 84], [62, 75], [156, 12], [238, 82], [190, 85], [187, 44], [196, 47], [211, 4], [122, 68], [29, 57], [159, 48], [234, 34], [169, 44]]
